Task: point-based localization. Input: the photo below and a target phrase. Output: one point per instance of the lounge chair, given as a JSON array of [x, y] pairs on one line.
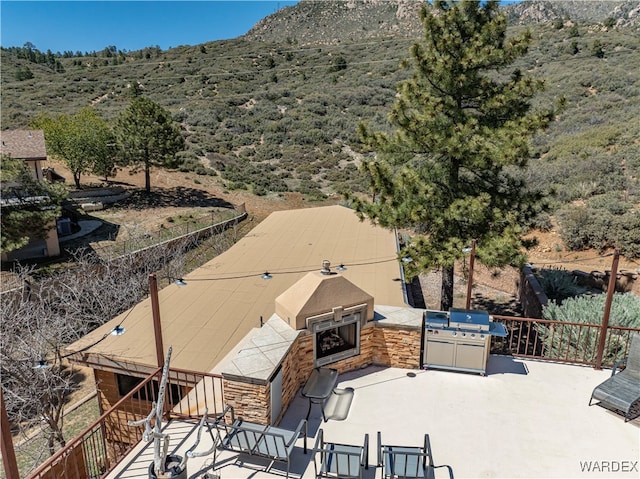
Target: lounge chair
[[344, 461], [622, 390], [254, 439], [400, 462]]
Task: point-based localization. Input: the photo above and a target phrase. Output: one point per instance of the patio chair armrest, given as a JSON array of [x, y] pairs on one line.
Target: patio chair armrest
[[214, 440], [448, 468], [617, 365], [319, 444], [302, 428], [365, 456], [214, 443], [220, 417]]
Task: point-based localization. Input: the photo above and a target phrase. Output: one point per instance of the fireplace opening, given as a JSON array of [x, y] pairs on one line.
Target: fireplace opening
[[336, 339]]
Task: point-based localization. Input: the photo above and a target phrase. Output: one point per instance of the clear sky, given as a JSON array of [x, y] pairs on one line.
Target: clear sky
[[128, 25]]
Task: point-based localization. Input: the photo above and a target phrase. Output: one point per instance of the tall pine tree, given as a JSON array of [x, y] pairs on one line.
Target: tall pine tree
[[462, 121], [148, 136]]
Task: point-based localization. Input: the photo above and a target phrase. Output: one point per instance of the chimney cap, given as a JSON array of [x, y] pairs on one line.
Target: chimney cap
[[326, 267]]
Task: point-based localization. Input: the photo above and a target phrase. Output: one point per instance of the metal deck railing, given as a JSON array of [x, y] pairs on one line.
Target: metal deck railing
[[101, 447], [567, 342]]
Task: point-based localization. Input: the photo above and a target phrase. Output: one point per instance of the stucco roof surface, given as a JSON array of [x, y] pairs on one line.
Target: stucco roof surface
[[225, 298], [311, 295]]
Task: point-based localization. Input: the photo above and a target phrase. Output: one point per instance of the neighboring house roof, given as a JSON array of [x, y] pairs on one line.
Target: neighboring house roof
[[23, 144], [13, 201], [226, 298]]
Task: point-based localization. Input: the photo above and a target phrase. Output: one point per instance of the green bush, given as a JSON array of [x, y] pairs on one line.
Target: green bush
[[614, 203], [558, 284], [582, 227], [581, 343], [627, 233]]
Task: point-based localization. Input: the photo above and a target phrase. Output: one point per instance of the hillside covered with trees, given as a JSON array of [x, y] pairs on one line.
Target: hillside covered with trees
[[279, 109]]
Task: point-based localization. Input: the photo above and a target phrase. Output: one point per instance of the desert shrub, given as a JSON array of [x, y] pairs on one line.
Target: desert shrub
[[597, 49], [259, 178], [582, 227], [23, 74], [574, 222], [580, 342], [267, 152], [310, 189], [541, 222], [558, 284], [627, 233], [312, 136], [612, 202], [306, 170]]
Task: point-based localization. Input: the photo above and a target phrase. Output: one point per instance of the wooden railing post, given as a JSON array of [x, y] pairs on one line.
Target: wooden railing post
[[8, 452], [472, 260], [607, 309], [157, 325]]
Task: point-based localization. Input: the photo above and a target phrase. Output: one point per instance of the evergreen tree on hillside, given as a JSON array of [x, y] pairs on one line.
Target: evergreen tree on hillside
[[148, 136], [462, 121]]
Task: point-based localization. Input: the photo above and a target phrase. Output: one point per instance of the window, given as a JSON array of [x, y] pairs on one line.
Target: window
[[149, 392]]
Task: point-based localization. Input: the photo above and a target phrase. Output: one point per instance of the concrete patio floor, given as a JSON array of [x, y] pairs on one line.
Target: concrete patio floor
[[525, 419]]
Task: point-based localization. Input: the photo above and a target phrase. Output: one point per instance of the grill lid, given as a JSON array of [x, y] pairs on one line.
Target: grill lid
[[475, 319], [436, 319]]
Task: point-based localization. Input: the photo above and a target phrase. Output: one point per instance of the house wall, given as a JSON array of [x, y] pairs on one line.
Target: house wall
[[37, 248], [107, 387], [35, 167], [117, 429], [53, 245]]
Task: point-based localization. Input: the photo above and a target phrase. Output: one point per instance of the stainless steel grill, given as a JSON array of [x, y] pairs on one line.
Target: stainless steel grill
[[459, 340]]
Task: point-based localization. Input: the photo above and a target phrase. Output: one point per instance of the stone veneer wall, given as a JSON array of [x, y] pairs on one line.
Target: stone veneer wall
[[397, 347], [252, 402], [383, 345], [531, 295]]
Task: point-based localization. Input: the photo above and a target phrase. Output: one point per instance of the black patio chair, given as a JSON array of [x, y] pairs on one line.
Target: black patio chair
[[400, 462], [622, 390], [335, 460]]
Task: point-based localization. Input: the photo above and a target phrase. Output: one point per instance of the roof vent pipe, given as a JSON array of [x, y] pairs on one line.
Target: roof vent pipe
[[326, 267]]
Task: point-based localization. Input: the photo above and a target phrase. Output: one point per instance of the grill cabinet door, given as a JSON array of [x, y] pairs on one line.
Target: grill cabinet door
[[470, 356], [440, 352]]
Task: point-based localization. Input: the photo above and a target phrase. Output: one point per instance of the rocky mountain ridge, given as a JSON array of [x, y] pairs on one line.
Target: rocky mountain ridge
[[314, 22]]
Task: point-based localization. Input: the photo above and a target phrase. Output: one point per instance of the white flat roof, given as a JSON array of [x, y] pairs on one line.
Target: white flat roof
[[525, 419]]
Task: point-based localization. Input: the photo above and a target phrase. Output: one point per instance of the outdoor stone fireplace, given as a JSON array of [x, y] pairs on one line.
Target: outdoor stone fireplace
[[322, 320], [332, 309]]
